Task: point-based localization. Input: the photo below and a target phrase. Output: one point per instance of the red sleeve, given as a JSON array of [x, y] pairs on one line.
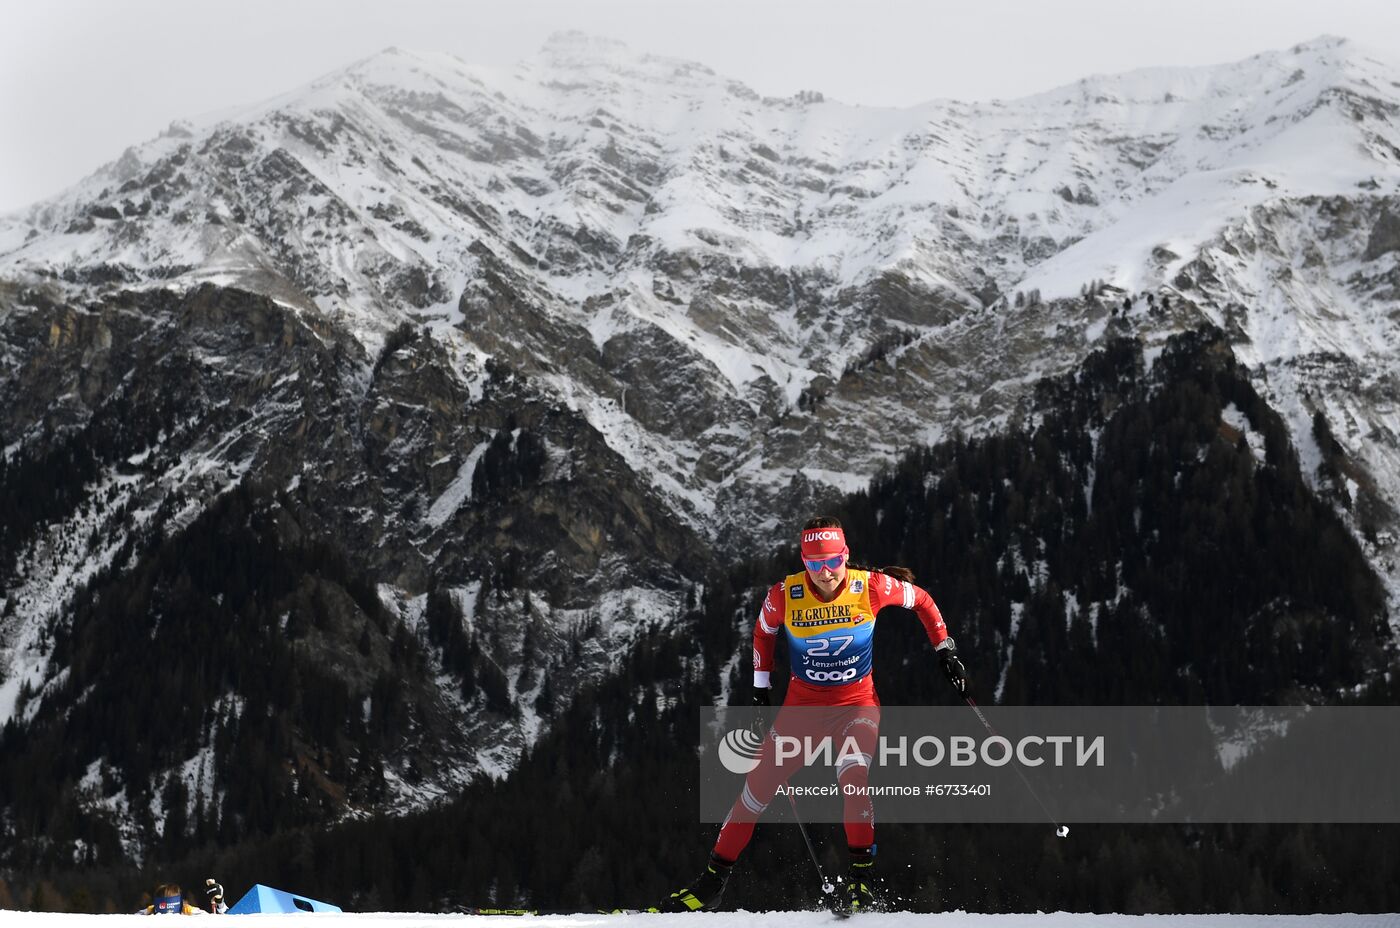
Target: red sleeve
[[887, 591], [765, 634]]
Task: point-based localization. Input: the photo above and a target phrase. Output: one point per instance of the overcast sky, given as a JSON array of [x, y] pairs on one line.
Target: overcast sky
[[82, 79]]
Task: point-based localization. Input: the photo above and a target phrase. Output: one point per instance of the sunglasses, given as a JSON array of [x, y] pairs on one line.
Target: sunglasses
[[834, 563]]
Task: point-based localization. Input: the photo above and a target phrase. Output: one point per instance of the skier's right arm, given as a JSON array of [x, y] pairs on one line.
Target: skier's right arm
[[765, 640]]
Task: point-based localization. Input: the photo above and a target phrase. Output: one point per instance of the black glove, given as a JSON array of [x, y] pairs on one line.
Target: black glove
[[214, 893], [762, 696], [953, 669]]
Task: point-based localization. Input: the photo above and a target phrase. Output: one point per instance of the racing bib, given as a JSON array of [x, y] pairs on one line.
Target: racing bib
[[829, 644]]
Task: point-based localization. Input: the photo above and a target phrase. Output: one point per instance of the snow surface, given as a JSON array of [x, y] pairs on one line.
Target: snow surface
[[753, 920], [460, 489]]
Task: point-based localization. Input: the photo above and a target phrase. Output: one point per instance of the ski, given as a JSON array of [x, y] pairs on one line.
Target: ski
[[487, 910], [837, 912]]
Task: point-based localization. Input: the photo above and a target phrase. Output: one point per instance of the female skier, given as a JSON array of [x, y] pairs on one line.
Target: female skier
[[828, 613]]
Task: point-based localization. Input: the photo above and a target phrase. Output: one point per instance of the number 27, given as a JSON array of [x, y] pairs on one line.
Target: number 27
[[819, 646]]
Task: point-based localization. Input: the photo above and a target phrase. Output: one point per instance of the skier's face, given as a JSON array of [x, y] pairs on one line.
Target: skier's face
[[827, 574]]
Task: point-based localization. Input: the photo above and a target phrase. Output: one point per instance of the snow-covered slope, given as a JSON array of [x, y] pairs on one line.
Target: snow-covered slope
[[759, 919]]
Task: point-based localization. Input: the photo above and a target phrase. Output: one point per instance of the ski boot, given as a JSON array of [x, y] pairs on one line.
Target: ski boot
[[860, 881], [704, 892]]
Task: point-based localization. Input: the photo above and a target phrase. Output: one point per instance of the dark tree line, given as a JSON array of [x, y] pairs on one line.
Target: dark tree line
[[45, 485], [462, 655], [200, 641], [1138, 547]]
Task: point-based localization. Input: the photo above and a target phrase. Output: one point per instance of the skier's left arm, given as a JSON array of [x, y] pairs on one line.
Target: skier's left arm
[[891, 591], [765, 638]]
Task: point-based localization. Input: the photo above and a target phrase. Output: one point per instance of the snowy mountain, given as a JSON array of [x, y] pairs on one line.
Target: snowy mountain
[[596, 210], [686, 313]]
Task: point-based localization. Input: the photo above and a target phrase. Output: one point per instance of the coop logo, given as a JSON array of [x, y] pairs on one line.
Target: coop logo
[[739, 750]]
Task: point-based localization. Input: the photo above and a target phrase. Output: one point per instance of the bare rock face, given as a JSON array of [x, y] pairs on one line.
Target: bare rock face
[[665, 387], [1384, 238]]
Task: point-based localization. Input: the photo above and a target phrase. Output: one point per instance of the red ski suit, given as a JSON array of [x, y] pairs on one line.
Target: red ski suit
[[829, 647]]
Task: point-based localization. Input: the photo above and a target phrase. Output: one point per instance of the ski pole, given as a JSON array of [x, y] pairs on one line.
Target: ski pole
[[1061, 831], [828, 887]]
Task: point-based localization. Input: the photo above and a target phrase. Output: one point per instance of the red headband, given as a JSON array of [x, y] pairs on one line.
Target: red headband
[[823, 542]]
